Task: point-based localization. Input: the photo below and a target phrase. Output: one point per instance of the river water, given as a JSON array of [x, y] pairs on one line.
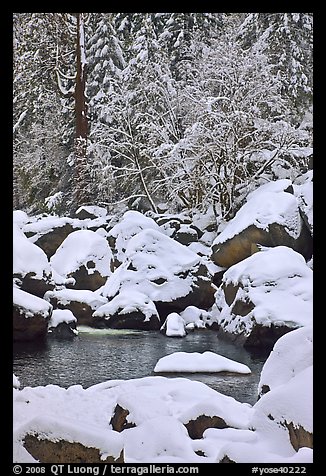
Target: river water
[[98, 355]]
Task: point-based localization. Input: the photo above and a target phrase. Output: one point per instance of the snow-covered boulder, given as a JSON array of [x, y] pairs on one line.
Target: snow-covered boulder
[[129, 310], [31, 315], [270, 217], [31, 268], [288, 410], [291, 354], [265, 296], [62, 324], [132, 223], [195, 362], [168, 273], [174, 326], [82, 303], [84, 256], [197, 318], [49, 232]]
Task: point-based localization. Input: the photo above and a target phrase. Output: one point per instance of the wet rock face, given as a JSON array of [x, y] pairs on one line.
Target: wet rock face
[[36, 286], [119, 419], [62, 451], [27, 328]]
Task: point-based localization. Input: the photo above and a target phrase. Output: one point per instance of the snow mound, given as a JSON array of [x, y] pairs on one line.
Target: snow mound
[[79, 248], [66, 296], [132, 223], [30, 304], [27, 257], [196, 316], [20, 218], [174, 326], [196, 362]]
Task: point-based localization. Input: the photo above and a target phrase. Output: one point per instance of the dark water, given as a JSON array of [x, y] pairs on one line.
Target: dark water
[[91, 358]]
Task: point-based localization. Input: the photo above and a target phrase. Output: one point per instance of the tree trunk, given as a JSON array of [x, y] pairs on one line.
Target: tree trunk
[[81, 122]]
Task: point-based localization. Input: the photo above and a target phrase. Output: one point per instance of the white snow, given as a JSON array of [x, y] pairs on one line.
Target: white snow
[[27, 257], [132, 223], [155, 265], [283, 363], [30, 304], [266, 205], [197, 362], [126, 302], [278, 282], [61, 315], [80, 247], [303, 190], [20, 218], [196, 316], [65, 296], [174, 325]]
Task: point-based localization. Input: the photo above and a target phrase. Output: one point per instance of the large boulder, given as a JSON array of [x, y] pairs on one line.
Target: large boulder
[[31, 268], [270, 217], [282, 363], [82, 303], [84, 256], [168, 273], [31, 315], [264, 297]]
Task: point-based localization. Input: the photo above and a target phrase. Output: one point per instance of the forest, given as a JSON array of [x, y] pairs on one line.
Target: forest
[[189, 111]]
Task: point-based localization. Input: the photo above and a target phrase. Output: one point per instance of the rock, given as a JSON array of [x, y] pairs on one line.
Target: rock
[[270, 217], [30, 316], [282, 363], [62, 324], [84, 256], [197, 427], [299, 437], [263, 297], [82, 303], [62, 451], [186, 235], [119, 420], [303, 190], [171, 275], [174, 326], [128, 310]]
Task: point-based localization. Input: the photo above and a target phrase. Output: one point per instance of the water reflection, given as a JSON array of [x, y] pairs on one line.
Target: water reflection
[[93, 358]]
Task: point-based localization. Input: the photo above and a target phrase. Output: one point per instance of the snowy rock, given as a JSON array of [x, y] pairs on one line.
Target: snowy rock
[[31, 269], [62, 324], [84, 256], [265, 296], [270, 217], [187, 234], [132, 223], [168, 273], [50, 439], [283, 363], [30, 316], [129, 310], [196, 362], [174, 326], [49, 232], [288, 409], [90, 211], [82, 303]]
